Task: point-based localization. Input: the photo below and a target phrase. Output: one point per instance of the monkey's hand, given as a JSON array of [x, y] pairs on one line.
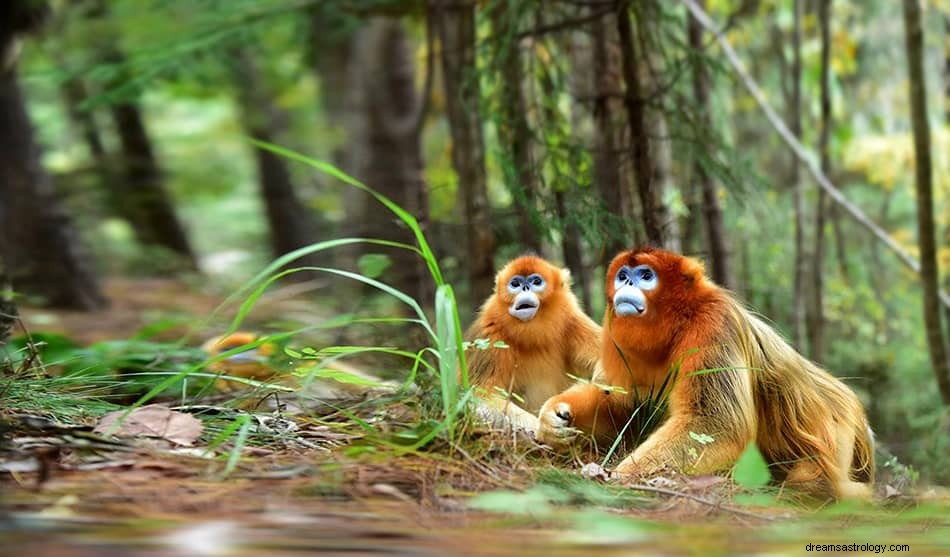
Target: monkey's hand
[[554, 423]]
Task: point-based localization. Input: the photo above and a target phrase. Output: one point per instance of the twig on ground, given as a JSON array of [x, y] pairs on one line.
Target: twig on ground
[[698, 499]]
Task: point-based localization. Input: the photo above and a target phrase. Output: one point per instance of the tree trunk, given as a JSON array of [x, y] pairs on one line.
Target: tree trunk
[[799, 316], [139, 191], [149, 207], [643, 164], [74, 95], [331, 55], [391, 160], [456, 23], [572, 251], [946, 68], [816, 329], [288, 220], [610, 180], [38, 242], [8, 311], [659, 141], [712, 212], [514, 132], [83, 122], [929, 274], [663, 175]]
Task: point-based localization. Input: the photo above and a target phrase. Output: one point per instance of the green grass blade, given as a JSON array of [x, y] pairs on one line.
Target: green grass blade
[[235, 455], [448, 349], [405, 216]]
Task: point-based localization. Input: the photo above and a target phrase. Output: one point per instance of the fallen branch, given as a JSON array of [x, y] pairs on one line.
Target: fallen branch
[[803, 154], [701, 500]]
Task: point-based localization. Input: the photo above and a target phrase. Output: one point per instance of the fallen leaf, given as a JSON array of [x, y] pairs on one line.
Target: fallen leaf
[[153, 420]]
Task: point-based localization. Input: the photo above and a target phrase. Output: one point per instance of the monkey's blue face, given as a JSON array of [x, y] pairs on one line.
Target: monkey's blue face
[[630, 285], [525, 289]]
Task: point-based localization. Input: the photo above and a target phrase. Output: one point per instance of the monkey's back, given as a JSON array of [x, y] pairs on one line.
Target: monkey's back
[[803, 412]]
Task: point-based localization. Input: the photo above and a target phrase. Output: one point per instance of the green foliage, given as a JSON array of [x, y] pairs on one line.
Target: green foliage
[[751, 470], [372, 265], [445, 334], [131, 367], [177, 64]]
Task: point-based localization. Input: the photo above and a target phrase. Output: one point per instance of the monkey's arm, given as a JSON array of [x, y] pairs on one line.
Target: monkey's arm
[[584, 345], [592, 408], [489, 373], [502, 412], [716, 406]]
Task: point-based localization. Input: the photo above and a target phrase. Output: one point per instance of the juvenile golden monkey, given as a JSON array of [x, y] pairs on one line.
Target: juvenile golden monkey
[[548, 337]]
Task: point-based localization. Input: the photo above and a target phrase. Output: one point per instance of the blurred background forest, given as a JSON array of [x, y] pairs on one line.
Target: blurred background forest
[[574, 128]]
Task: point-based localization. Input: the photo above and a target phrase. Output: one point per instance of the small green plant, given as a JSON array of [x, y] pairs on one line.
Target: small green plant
[[445, 356]]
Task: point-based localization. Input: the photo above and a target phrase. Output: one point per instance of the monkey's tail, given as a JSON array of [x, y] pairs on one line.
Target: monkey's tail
[[862, 463]]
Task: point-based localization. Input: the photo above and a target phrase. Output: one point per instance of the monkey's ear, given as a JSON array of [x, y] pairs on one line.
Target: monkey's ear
[[693, 270], [566, 277]]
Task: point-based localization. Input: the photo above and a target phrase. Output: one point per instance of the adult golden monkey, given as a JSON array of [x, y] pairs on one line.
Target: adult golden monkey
[[663, 312], [548, 336]]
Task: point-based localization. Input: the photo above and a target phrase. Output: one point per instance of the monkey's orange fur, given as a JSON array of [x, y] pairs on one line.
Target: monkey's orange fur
[[810, 427], [249, 365], [559, 340]]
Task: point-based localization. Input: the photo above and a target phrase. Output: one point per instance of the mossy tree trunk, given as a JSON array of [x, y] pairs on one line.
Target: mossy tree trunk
[[926, 230], [456, 30], [38, 243]]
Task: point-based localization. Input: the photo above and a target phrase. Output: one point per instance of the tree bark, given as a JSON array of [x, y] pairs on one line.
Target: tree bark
[[609, 178], [660, 144], [149, 206], [38, 243], [712, 211], [799, 313], [946, 68], [332, 33], [514, 132], [288, 220], [643, 164], [141, 192], [391, 154], [456, 24], [816, 329], [75, 93], [83, 122], [572, 251], [929, 273], [8, 311]]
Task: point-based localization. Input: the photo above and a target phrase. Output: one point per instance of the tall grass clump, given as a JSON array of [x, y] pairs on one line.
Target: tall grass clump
[[443, 354]]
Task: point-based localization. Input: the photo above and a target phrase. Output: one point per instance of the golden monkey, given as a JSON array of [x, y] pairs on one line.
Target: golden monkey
[[662, 312], [548, 337], [250, 364]]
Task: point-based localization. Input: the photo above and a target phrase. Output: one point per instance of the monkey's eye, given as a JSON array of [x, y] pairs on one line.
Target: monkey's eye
[[624, 277], [537, 282], [644, 277], [515, 283]]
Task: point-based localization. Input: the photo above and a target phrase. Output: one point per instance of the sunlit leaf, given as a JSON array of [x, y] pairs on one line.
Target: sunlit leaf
[[373, 265], [751, 470]]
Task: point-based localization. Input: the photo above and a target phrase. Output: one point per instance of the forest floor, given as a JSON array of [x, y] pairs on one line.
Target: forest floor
[[254, 480]]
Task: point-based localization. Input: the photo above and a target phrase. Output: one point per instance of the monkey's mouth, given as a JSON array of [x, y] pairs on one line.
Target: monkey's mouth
[[525, 306], [628, 303]]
